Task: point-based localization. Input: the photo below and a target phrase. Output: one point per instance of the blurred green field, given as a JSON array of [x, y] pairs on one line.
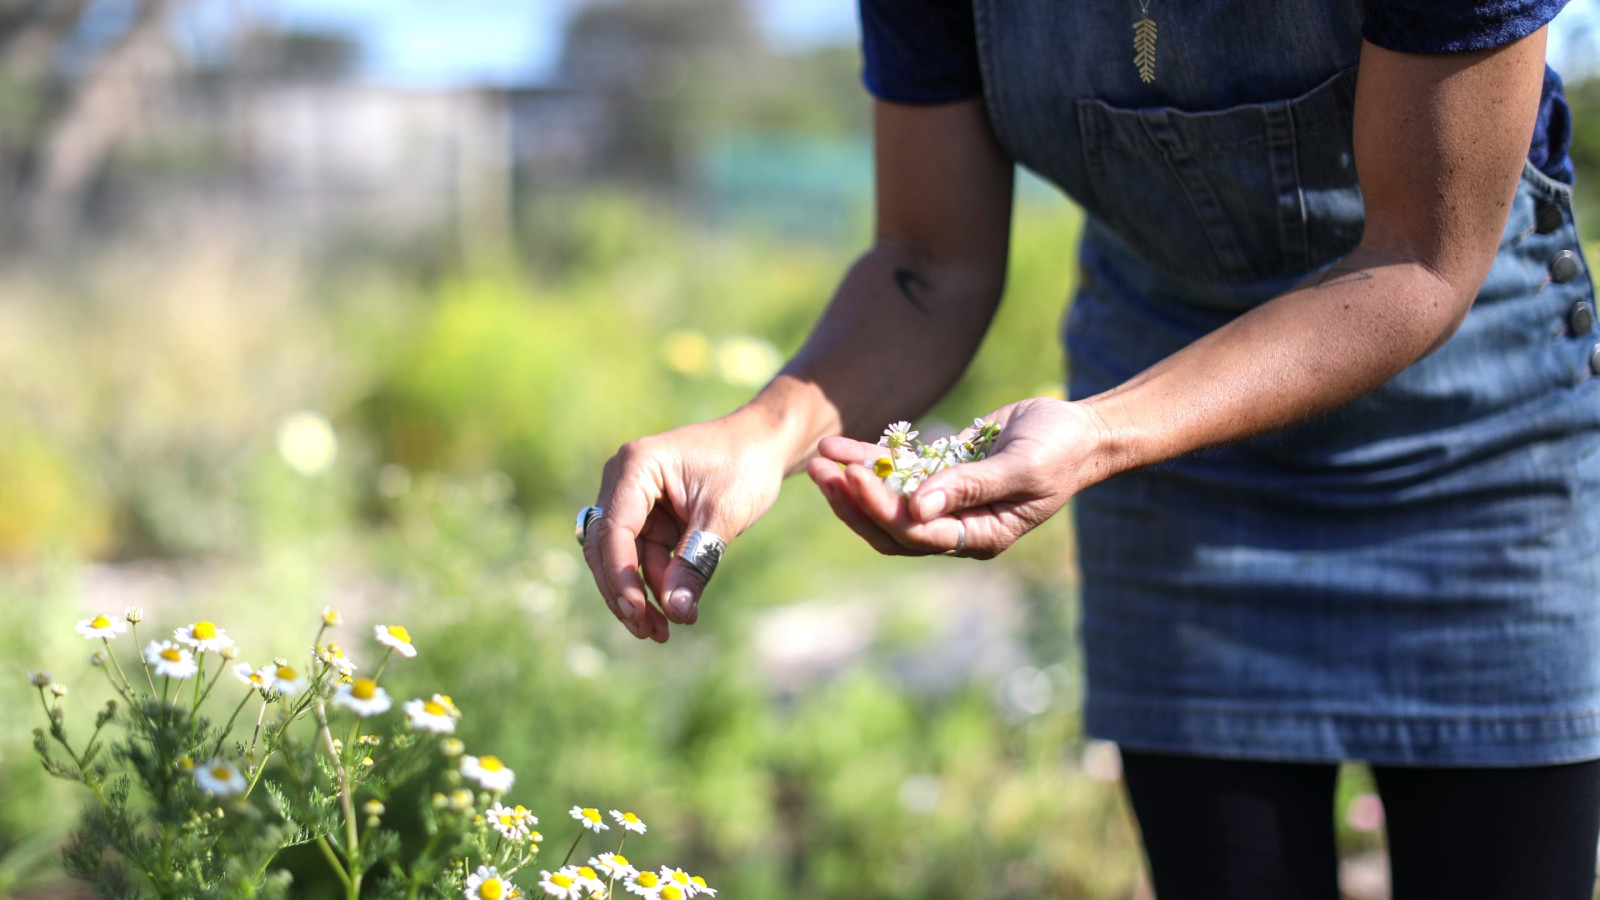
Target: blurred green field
[[839, 725]]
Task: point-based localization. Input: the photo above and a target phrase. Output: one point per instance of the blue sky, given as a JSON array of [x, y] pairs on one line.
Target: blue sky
[[437, 42]]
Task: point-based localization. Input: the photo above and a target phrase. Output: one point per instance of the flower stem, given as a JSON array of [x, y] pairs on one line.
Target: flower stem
[[383, 665], [573, 847], [147, 677], [231, 719], [125, 683], [347, 801]]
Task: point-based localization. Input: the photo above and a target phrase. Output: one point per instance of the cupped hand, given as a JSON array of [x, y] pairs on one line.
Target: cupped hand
[[715, 476], [1044, 455]]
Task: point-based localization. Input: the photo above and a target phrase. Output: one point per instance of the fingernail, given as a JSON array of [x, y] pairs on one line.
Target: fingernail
[[681, 604], [629, 613], [933, 505]]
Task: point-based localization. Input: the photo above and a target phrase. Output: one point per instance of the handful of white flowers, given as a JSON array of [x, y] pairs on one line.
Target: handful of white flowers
[[910, 462]]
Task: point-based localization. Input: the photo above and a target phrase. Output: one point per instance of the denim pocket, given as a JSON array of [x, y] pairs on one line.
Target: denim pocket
[[1262, 190]]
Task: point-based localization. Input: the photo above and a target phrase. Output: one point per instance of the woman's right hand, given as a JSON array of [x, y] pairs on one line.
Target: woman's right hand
[[717, 476]]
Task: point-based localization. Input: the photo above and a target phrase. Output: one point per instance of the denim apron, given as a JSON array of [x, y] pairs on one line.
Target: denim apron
[[1411, 579]]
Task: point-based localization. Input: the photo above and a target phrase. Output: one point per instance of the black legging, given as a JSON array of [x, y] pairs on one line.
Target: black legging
[[1232, 830]]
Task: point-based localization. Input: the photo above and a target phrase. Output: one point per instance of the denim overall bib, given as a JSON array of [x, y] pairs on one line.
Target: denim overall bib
[[1411, 579]]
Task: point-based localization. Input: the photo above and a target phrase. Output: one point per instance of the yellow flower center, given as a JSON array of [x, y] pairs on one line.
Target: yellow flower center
[[647, 879], [698, 881], [883, 467], [680, 878], [171, 654], [100, 622], [364, 689], [221, 773], [560, 880], [671, 892], [617, 859], [204, 631], [491, 764], [491, 889], [507, 819], [432, 708], [400, 634], [287, 673], [256, 680], [586, 872], [592, 814], [630, 818]]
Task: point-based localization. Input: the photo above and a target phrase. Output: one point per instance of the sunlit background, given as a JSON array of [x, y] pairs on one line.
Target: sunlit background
[[344, 302]]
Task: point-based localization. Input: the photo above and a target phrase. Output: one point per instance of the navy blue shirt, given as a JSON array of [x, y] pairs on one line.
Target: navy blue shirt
[[926, 51]]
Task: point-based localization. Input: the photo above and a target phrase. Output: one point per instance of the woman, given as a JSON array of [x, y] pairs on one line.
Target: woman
[[1332, 440]]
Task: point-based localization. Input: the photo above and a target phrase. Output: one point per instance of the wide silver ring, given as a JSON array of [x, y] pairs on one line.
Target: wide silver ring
[[703, 550], [961, 539], [585, 516]]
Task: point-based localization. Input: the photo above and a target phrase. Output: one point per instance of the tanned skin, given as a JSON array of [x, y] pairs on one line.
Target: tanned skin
[[1440, 143]]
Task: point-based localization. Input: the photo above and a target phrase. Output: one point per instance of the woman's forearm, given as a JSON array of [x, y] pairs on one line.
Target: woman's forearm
[[1307, 352], [898, 333]]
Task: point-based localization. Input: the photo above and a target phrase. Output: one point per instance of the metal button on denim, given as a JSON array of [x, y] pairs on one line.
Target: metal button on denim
[[1581, 319], [1564, 267], [1594, 359], [1548, 218]]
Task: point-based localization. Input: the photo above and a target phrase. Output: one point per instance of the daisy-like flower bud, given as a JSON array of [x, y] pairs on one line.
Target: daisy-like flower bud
[[331, 617], [229, 652], [39, 678], [373, 808], [133, 614], [97, 658], [59, 689], [452, 747], [461, 800]]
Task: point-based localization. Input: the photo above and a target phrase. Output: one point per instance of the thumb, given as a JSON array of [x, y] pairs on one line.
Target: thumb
[[970, 484], [693, 563]]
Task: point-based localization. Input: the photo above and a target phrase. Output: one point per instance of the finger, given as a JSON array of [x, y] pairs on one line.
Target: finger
[[684, 584], [655, 625], [831, 481], [848, 450], [654, 558], [998, 477], [616, 533]]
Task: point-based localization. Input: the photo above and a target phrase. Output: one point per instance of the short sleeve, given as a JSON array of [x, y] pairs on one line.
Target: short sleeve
[[1453, 26], [919, 51]]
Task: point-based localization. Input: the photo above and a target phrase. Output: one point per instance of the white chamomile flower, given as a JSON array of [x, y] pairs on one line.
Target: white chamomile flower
[[614, 865], [100, 627], [588, 877], [489, 772], [39, 678], [334, 656], [331, 617], [487, 884], [255, 678], [289, 681], [363, 697], [645, 884], [628, 821], [437, 715], [898, 435], [563, 884], [220, 778], [511, 822], [203, 636], [589, 817], [397, 637], [676, 878], [133, 614], [169, 660], [700, 886]]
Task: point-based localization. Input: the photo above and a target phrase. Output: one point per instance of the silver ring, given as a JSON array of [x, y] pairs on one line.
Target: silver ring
[[703, 550], [585, 516], [961, 539]]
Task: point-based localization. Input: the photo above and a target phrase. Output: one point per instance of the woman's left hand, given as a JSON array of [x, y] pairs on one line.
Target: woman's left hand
[[1047, 451]]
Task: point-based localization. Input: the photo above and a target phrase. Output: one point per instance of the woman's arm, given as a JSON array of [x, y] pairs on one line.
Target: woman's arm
[[902, 326], [1439, 146]]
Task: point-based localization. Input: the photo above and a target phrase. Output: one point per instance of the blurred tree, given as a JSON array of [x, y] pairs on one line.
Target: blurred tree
[[645, 57], [69, 110]]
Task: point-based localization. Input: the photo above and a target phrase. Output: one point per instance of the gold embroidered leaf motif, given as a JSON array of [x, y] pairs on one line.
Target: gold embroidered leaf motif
[[1144, 48]]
